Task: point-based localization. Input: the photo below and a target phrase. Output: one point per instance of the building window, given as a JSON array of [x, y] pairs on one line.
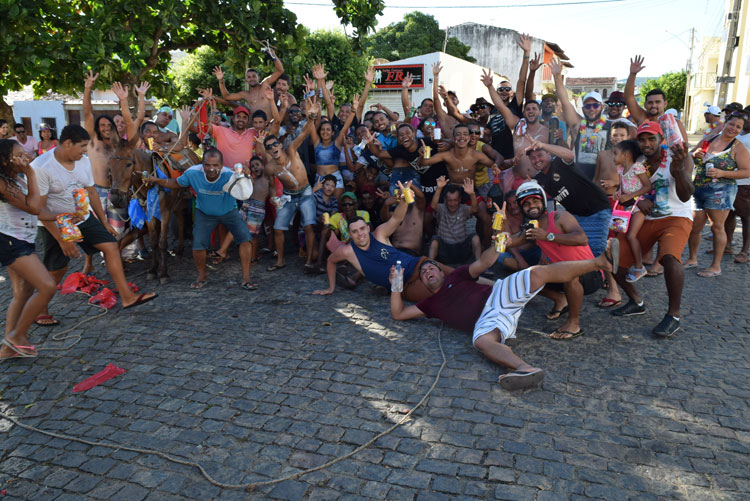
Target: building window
[[51, 122]]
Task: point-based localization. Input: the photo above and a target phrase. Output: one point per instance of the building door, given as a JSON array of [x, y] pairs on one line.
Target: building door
[[74, 117]]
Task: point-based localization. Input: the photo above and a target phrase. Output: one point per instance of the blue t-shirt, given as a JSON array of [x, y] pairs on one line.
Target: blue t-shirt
[[210, 198]]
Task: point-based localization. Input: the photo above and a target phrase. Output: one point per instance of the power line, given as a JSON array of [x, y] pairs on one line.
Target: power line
[[581, 2]]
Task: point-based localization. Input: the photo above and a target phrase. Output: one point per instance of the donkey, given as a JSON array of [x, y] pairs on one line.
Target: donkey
[[126, 168]]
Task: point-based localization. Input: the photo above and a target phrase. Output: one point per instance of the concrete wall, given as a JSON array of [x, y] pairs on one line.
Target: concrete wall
[[38, 109], [497, 49]]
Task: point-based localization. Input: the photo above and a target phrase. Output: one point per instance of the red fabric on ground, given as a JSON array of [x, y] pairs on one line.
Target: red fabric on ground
[[108, 373]]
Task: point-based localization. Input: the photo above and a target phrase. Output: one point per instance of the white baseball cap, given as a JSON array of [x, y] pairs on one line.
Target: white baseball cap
[[714, 110], [593, 95]]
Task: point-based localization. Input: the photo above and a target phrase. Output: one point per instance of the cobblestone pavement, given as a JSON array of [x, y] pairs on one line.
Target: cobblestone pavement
[[257, 385]]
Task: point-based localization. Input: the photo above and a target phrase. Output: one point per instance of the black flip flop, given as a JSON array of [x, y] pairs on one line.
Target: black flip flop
[[274, 267], [558, 313], [573, 335], [141, 299], [250, 286]]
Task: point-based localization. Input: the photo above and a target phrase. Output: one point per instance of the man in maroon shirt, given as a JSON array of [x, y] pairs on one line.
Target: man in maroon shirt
[[492, 313]]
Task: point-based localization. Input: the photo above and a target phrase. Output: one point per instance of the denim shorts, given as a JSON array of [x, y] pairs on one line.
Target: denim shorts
[[716, 196], [304, 202], [205, 224], [404, 174], [13, 248], [336, 174]]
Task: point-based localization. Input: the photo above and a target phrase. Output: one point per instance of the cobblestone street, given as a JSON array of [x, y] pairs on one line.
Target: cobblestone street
[[257, 385]]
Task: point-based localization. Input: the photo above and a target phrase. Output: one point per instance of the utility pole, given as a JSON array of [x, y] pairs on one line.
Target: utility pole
[[445, 40], [688, 70], [726, 68]]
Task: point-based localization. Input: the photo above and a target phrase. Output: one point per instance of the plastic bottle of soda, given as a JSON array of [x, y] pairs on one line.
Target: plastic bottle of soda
[[398, 280]]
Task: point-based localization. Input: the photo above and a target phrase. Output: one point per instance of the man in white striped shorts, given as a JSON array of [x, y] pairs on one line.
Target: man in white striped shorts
[[492, 313]]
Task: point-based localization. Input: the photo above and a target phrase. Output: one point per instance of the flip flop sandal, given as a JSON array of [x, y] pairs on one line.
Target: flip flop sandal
[[517, 380], [310, 269], [17, 348], [141, 299], [689, 266], [573, 335], [274, 267], [557, 313], [198, 284], [250, 286], [46, 321], [659, 273], [608, 303], [741, 258], [708, 274]]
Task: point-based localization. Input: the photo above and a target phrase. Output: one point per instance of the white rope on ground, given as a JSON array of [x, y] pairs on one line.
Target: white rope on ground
[[252, 485]]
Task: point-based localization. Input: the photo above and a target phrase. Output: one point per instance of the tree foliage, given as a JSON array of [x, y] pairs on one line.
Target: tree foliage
[[416, 34], [53, 42], [195, 70], [673, 84], [343, 64], [360, 15]]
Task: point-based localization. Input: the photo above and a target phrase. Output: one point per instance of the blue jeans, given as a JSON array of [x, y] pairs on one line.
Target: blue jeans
[[404, 174], [204, 225], [596, 228], [304, 202]]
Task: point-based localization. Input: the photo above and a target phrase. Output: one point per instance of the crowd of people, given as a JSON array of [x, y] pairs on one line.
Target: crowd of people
[[467, 213]]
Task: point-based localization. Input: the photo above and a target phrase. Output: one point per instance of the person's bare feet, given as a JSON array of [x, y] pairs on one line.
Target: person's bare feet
[[568, 330], [16, 340], [134, 299]]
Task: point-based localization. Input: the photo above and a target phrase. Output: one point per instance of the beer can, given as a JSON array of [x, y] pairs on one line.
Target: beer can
[[150, 143], [501, 241], [497, 221], [427, 152], [393, 129], [326, 218], [534, 223], [408, 196], [144, 176]]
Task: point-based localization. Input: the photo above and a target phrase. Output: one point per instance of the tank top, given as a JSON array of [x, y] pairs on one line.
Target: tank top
[[377, 260], [327, 155], [722, 161], [593, 142], [17, 223], [40, 150], [558, 253], [481, 174]]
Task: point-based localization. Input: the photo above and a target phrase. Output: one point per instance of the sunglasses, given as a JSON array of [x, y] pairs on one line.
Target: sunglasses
[[272, 145], [617, 104], [504, 89], [430, 123], [347, 204], [592, 106], [20, 131], [475, 132]]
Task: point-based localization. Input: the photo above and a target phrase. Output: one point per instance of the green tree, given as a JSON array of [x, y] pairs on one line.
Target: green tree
[[196, 70], [342, 63], [53, 42], [673, 84], [417, 34], [359, 14]]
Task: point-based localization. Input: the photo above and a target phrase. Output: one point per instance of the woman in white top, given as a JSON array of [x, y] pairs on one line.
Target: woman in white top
[[20, 203]]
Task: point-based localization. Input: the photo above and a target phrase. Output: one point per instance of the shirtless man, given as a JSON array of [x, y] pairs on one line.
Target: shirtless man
[[286, 165], [461, 161], [103, 144], [407, 236], [254, 97]]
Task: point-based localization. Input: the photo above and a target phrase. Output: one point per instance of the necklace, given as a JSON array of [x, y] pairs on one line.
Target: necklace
[[589, 141]]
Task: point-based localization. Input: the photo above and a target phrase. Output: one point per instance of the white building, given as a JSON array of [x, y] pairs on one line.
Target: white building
[[457, 75]]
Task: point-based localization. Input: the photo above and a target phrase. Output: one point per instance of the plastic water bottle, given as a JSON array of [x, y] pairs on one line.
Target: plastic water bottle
[[398, 280], [358, 149]]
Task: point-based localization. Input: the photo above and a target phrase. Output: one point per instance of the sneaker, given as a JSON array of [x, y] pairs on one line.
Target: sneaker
[[630, 308], [667, 327]]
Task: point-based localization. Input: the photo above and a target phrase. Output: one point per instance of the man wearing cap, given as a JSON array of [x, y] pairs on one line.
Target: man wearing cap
[[237, 142], [669, 220], [491, 313], [571, 188], [552, 121], [590, 132], [255, 98], [714, 123], [615, 105]]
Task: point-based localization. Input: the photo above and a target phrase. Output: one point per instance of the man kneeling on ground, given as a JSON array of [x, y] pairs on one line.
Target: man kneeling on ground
[[492, 313]]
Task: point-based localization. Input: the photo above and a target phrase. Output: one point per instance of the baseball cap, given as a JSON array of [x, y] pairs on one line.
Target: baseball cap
[[593, 95], [650, 128], [617, 97], [733, 107], [549, 96], [713, 110], [349, 194], [241, 109]]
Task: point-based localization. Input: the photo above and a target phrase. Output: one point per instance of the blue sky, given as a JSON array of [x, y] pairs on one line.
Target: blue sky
[[599, 39]]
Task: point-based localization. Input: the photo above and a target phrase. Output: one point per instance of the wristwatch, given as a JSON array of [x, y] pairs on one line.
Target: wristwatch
[[551, 237]]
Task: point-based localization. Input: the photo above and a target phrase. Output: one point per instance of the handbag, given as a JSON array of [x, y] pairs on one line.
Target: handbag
[[620, 219], [239, 186]]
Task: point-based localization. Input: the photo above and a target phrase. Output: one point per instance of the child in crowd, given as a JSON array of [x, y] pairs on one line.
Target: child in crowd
[[634, 183], [325, 203], [452, 244]]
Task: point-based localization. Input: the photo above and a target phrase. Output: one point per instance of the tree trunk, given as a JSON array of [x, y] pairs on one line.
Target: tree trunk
[[6, 113]]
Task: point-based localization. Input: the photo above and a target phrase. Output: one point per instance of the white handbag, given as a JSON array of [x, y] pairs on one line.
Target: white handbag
[[239, 186]]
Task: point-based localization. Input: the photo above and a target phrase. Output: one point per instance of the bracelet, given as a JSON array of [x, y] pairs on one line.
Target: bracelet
[[525, 56]]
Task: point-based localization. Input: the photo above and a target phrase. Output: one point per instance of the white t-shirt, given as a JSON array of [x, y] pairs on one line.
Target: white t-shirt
[[666, 202], [744, 139], [58, 183], [15, 222]]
